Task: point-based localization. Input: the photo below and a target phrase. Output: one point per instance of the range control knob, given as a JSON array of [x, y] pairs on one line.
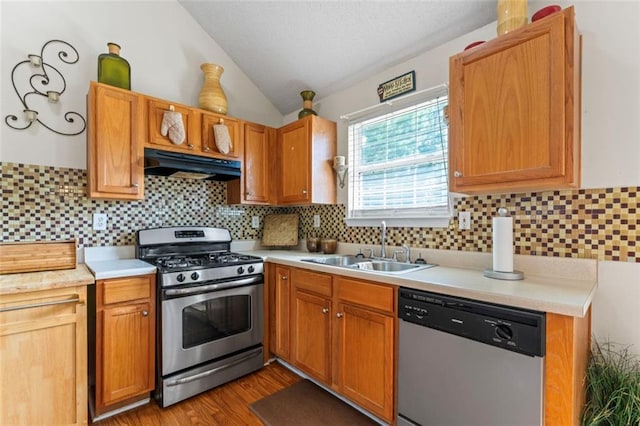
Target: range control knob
[[180, 278], [195, 276], [251, 269], [240, 270], [504, 332]]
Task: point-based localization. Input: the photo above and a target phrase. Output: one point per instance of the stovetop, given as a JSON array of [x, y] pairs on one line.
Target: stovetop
[[194, 255], [201, 261]]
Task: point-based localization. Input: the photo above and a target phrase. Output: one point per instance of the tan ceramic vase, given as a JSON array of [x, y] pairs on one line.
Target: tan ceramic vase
[[212, 97], [512, 14]]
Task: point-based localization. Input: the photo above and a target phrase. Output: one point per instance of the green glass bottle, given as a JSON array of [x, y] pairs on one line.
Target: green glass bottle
[[114, 69]]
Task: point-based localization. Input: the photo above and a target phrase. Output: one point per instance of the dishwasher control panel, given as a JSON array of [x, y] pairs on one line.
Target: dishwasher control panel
[[515, 329]]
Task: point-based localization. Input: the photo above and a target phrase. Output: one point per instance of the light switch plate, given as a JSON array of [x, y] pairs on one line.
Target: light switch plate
[[99, 221], [255, 222], [464, 220], [316, 221]]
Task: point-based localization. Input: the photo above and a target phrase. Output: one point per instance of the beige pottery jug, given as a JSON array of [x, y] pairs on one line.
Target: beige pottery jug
[[212, 97]]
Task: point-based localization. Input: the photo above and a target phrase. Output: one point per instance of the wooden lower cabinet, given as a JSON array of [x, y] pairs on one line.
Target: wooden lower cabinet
[[343, 333], [311, 325], [125, 341], [568, 342], [365, 349], [281, 345], [43, 357]]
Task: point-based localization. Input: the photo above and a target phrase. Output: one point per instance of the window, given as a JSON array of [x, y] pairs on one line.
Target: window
[[398, 162]]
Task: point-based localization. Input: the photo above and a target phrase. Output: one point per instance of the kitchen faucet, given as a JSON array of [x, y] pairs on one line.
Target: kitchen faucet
[[383, 227]]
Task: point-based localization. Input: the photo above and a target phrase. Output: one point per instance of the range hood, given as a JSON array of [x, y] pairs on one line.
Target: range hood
[[164, 163]]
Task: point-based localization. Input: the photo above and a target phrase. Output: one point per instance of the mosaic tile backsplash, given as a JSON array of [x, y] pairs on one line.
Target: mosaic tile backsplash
[[49, 203]]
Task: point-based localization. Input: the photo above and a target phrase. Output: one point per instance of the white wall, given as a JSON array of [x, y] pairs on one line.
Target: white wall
[[610, 88], [610, 129], [162, 43], [616, 304]]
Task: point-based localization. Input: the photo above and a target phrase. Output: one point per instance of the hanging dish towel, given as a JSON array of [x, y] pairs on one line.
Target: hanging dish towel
[[222, 138], [172, 124]]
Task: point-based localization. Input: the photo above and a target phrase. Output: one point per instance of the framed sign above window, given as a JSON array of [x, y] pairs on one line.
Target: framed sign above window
[[398, 86]]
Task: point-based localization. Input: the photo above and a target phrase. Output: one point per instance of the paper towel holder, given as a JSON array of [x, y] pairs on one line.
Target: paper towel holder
[[500, 275]]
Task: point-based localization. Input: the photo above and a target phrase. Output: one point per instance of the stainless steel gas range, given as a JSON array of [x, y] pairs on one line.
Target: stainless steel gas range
[[210, 320]]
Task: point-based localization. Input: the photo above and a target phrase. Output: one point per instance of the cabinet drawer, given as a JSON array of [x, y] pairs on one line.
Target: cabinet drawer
[[127, 288], [366, 294], [312, 281]]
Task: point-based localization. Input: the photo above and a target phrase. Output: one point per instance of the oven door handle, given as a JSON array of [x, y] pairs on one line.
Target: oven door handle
[[199, 376], [220, 286]]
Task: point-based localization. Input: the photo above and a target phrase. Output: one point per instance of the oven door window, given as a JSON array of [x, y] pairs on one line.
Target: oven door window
[[215, 319]]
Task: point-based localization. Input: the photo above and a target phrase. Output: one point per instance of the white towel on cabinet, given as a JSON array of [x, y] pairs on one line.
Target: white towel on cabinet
[[173, 126], [222, 138]]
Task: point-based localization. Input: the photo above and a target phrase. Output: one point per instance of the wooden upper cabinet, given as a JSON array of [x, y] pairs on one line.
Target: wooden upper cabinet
[[115, 159], [255, 186], [305, 150], [209, 147], [515, 110], [155, 110]]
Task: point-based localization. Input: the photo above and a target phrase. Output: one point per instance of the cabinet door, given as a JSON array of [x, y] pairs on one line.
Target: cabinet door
[[512, 107], [43, 358], [257, 181], [155, 109], [282, 307], [365, 353], [126, 352], [115, 148], [209, 146], [294, 152], [311, 340]]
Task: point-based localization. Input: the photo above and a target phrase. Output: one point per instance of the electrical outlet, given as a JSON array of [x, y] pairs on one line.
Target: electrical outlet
[[99, 222], [255, 222], [464, 220], [316, 221]]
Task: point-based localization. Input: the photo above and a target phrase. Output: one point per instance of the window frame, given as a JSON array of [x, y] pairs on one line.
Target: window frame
[[396, 217]]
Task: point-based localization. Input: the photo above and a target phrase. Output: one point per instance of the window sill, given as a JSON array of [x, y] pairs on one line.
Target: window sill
[[433, 222]]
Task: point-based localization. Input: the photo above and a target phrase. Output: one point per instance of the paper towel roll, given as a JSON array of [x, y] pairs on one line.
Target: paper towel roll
[[503, 244]]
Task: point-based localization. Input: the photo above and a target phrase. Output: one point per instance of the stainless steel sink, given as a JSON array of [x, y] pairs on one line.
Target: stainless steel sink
[[373, 265], [335, 260]]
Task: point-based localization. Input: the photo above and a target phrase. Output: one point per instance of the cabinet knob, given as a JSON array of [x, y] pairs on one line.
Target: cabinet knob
[[325, 310], [457, 174], [207, 149], [136, 185], [145, 313], [190, 146], [284, 277], [340, 314], [304, 192]]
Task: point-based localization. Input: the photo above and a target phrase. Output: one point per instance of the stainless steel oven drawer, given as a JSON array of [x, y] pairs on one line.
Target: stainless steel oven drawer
[[180, 386]]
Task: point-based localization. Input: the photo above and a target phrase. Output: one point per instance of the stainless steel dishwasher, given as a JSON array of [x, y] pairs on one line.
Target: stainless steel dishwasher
[[464, 362]]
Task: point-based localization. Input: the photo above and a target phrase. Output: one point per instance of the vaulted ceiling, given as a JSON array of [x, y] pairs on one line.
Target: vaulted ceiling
[[289, 46]]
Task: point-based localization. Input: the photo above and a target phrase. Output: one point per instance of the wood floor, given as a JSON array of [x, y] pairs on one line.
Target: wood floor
[[224, 405]]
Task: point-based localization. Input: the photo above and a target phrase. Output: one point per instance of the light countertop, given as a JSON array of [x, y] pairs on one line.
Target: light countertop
[[115, 268], [114, 262], [561, 286], [34, 281]]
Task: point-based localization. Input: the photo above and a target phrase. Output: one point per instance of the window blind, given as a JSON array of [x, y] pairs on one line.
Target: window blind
[[398, 160]]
